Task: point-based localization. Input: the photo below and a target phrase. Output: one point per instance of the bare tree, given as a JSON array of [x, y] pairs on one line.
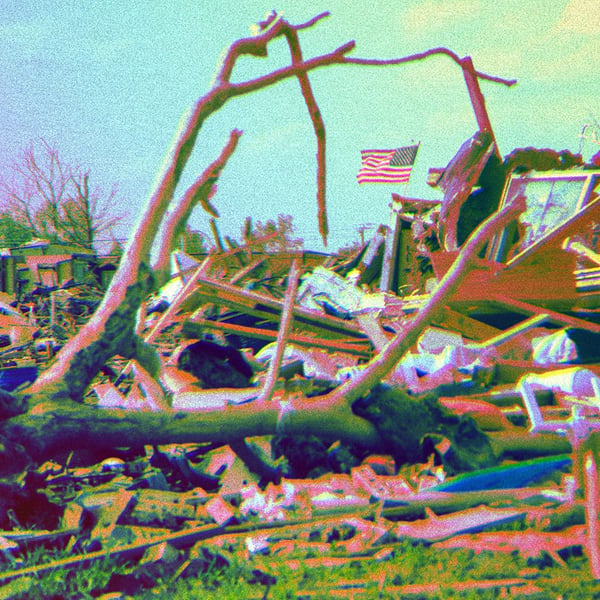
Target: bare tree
[[88, 215], [277, 235], [53, 199]]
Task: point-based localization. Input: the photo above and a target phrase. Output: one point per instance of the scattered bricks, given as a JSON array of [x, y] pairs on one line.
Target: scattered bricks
[[257, 544], [232, 472], [382, 464], [253, 500], [381, 487], [109, 514], [161, 552], [8, 548], [365, 478], [367, 535], [219, 510], [72, 516], [159, 506], [328, 502]]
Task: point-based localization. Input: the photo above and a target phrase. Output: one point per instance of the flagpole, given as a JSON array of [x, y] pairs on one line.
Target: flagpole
[[388, 267], [388, 166]]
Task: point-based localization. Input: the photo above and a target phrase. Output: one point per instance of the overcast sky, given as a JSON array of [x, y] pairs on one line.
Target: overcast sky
[[108, 80]]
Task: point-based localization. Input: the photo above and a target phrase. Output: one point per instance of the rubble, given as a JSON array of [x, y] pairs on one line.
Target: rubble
[[498, 375], [277, 409], [169, 504]]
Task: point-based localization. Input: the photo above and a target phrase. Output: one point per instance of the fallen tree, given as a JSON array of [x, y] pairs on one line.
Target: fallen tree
[[49, 416]]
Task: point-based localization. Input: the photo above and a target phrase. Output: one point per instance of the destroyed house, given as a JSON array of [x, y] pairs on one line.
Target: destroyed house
[[545, 255], [42, 264], [543, 267]]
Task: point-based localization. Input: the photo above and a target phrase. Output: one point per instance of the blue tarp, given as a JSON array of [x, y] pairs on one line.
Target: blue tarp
[[13, 377]]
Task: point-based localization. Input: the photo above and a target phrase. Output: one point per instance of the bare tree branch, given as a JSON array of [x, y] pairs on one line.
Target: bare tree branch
[[383, 363], [378, 62], [199, 192], [291, 35], [273, 26], [285, 327], [58, 427], [111, 329]]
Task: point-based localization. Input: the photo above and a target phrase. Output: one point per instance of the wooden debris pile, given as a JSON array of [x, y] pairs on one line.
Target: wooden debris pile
[[266, 411], [177, 510], [486, 434]]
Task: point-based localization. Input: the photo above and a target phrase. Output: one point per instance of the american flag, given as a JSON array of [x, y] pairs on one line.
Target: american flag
[[387, 166]]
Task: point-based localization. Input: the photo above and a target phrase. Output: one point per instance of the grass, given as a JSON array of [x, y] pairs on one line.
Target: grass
[[215, 574], [412, 565], [57, 583]]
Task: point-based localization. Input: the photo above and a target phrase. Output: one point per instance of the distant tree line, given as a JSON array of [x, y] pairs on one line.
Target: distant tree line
[[42, 196]]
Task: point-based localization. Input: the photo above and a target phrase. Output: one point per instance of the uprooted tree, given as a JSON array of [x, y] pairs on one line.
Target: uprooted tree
[[50, 416]]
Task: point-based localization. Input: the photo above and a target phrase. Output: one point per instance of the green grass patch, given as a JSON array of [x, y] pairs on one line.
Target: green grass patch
[[410, 564]]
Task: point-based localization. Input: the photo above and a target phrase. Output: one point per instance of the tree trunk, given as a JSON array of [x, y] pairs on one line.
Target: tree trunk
[[52, 429]]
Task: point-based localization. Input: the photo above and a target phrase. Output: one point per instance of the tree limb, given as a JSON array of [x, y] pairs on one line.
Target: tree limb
[[285, 327], [273, 26], [319, 126], [199, 192], [57, 427], [422, 55], [111, 329], [383, 363]]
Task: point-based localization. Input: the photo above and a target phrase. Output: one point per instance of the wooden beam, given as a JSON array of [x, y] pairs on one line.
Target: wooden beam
[[347, 346], [221, 293], [467, 326], [246, 270], [514, 331], [555, 317], [579, 249]]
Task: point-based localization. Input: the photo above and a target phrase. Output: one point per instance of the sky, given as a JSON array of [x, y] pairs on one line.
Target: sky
[[107, 81]]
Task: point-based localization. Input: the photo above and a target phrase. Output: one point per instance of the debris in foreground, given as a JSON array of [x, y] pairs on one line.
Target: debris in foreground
[[436, 389], [470, 396]]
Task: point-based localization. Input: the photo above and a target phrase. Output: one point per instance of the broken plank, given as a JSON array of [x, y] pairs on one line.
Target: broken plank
[[435, 528], [508, 371], [591, 510], [179, 539], [246, 270], [529, 544], [186, 537], [553, 316], [197, 326], [441, 502], [259, 305], [502, 337], [466, 325], [283, 333], [421, 589], [581, 250], [521, 446]]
